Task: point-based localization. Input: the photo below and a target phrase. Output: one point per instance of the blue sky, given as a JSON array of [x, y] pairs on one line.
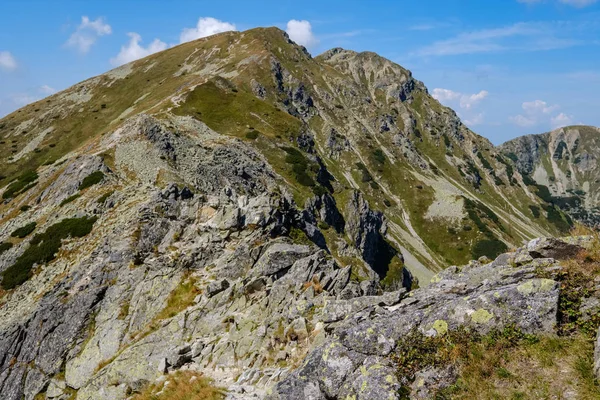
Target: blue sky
[[508, 67]]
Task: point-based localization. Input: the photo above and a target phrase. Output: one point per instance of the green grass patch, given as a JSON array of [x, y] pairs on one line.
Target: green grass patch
[[365, 175], [22, 184], [24, 230], [491, 248], [43, 248], [25, 208], [252, 135], [102, 199], [378, 158], [91, 179], [70, 199], [558, 219], [229, 112], [300, 166], [535, 210], [5, 246]]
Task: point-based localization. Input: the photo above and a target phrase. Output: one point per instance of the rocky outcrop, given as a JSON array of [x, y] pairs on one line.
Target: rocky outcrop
[[354, 362]]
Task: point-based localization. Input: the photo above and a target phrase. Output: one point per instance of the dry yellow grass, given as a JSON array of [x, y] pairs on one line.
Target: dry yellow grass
[[315, 283], [553, 368], [180, 298], [182, 385]]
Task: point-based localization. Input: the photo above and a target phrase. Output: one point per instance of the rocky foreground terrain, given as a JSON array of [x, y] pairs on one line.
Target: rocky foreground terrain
[[233, 218]]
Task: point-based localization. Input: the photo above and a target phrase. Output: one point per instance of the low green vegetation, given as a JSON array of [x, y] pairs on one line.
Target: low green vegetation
[[300, 166], [102, 199], [22, 184], [91, 179], [535, 210], [394, 277], [43, 248], [24, 230], [378, 158], [488, 247], [5, 246], [252, 135], [70, 199], [25, 208], [365, 174], [562, 222]]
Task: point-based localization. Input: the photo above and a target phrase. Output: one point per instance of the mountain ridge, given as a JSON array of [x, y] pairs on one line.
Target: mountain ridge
[[224, 205]]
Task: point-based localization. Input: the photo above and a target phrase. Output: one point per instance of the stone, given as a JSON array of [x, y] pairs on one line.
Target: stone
[[552, 248], [431, 380], [217, 287], [278, 257]]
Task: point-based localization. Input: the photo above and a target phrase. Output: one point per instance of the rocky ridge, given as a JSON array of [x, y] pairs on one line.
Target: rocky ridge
[[563, 165], [257, 216]]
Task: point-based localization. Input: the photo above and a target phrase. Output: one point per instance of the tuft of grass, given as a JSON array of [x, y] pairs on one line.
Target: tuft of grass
[[124, 310], [23, 183], [182, 385], [24, 230], [70, 199], [25, 208], [180, 298], [315, 283], [43, 248], [102, 199], [91, 179]]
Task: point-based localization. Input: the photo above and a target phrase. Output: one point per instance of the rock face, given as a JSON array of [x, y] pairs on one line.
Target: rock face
[[258, 216], [564, 161], [354, 362]]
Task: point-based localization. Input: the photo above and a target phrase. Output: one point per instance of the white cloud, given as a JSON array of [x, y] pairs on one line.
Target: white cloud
[[301, 33], [22, 99], [540, 112], [538, 106], [87, 33], [7, 61], [133, 51], [475, 120], [523, 121], [47, 90], [444, 95], [205, 27], [466, 102], [522, 36], [561, 120]]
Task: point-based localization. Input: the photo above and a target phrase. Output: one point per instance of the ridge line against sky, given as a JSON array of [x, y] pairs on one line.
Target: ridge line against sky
[[508, 67]]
